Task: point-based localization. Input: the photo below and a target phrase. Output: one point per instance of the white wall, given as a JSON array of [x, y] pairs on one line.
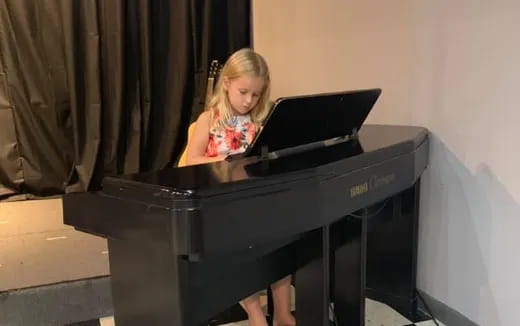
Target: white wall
[[453, 67]]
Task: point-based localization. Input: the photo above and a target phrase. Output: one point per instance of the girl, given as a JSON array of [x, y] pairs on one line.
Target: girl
[[229, 124]]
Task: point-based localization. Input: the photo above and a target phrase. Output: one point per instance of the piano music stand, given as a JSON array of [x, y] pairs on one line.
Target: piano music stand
[[315, 121]]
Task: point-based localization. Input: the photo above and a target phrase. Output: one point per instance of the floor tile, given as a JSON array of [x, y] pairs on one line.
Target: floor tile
[[377, 314]]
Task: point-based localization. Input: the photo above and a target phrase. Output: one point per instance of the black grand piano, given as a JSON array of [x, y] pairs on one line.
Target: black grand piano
[[334, 203]]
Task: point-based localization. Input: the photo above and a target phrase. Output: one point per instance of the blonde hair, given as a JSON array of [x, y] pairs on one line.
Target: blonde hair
[[244, 62]]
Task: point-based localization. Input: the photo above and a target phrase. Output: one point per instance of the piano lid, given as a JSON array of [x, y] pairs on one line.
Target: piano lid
[[376, 143]]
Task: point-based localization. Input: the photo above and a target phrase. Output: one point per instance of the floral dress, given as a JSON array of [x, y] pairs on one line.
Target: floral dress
[[231, 140]]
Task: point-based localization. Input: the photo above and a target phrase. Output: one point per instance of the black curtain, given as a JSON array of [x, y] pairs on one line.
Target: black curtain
[[98, 87]]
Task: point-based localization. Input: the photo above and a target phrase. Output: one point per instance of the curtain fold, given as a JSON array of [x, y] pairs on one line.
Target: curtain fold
[[93, 88], [34, 89]]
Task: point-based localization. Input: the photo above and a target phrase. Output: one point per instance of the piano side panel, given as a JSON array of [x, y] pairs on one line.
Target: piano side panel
[[392, 253], [348, 244], [147, 282], [422, 157]]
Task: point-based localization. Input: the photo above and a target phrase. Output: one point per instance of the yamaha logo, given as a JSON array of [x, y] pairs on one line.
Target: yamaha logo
[[359, 189], [373, 183]]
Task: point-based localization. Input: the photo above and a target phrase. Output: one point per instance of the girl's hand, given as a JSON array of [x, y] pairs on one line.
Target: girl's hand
[[204, 159]]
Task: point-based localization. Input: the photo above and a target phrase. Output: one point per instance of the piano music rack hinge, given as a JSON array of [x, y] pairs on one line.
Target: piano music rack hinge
[[264, 153], [354, 134]]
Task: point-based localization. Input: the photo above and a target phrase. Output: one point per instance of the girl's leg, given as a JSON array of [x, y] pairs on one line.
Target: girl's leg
[[254, 311], [282, 303]]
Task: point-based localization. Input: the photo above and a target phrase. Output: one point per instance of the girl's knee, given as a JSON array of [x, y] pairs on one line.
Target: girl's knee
[[282, 282], [251, 302]]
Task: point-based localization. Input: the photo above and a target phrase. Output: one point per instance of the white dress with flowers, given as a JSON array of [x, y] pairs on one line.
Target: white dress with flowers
[[232, 140]]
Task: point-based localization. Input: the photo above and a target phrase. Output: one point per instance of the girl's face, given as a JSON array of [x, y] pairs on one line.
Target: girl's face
[[244, 93]]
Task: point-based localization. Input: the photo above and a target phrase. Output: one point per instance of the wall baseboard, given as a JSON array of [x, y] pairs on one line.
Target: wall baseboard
[[443, 313], [57, 304]]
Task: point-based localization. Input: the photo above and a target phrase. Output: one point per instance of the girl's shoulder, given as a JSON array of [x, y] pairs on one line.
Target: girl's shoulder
[[204, 117], [208, 115], [212, 116], [205, 121]]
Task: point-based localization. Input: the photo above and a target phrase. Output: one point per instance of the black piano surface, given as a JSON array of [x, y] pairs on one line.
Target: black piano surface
[[186, 243]]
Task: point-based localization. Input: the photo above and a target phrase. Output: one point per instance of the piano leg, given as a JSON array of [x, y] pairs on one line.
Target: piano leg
[[312, 283], [143, 280], [392, 253], [349, 261]]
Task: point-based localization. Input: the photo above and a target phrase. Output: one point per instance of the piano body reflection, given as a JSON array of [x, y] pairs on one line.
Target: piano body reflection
[[187, 243]]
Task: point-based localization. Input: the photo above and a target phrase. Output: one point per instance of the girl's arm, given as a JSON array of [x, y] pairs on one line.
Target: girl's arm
[[199, 142]]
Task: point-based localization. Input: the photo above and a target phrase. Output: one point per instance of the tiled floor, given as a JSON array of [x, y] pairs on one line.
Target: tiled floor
[[377, 314]]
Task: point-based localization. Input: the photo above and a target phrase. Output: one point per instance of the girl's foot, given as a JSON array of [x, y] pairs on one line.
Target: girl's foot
[[255, 314], [285, 320], [257, 320]]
